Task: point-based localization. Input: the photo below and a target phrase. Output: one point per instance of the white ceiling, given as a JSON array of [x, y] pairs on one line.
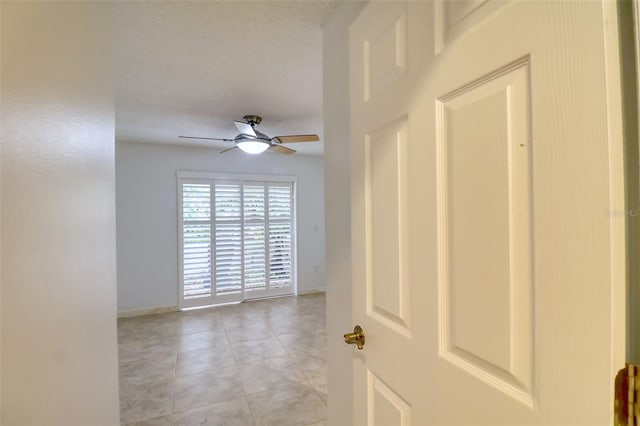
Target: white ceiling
[[191, 68]]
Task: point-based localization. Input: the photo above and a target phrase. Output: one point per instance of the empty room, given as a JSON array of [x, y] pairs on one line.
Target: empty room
[[220, 213]]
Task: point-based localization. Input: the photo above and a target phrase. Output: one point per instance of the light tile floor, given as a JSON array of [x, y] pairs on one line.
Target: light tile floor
[[255, 363]]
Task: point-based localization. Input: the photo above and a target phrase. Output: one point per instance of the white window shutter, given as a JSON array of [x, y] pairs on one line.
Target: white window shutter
[[254, 238], [228, 239], [280, 232], [237, 240], [196, 240]]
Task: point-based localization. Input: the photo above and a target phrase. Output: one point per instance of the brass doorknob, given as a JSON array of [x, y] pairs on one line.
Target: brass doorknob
[[355, 338]]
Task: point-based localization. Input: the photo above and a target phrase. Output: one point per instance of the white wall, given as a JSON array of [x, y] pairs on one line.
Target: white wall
[[59, 349], [146, 200], [338, 211]]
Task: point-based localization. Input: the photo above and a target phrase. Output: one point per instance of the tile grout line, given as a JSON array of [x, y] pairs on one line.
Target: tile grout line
[[300, 368], [175, 373], [235, 361]]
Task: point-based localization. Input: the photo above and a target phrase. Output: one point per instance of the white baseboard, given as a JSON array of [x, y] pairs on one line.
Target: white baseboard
[[164, 309], [148, 311], [311, 291]]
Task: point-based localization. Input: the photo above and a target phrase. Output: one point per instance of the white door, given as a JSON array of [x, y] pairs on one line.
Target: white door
[[487, 249]]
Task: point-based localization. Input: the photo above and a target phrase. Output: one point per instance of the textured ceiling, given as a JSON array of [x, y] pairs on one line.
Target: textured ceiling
[[191, 68]]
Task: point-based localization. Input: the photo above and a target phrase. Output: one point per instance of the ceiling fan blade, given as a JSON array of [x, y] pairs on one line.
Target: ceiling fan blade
[[228, 149], [210, 139], [281, 149], [245, 128], [296, 138]]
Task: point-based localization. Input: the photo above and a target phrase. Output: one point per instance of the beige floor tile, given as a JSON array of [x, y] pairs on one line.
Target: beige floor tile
[[257, 376], [206, 388], [283, 324], [148, 330], [243, 330], [312, 364], [158, 421], [201, 360], [256, 350], [147, 370], [197, 321], [303, 324], [144, 348], [320, 385], [243, 311], [234, 412], [292, 405], [303, 341], [145, 401], [203, 339]]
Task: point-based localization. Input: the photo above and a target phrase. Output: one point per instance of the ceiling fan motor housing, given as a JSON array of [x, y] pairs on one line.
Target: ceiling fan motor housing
[[259, 136], [253, 119], [253, 142]]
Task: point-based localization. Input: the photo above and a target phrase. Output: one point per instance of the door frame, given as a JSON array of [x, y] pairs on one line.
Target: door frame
[[630, 45], [618, 181]]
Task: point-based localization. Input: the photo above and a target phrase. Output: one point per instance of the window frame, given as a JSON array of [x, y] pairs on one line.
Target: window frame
[[211, 178]]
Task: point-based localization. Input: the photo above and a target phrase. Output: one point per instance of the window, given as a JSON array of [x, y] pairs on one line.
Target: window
[[237, 238]]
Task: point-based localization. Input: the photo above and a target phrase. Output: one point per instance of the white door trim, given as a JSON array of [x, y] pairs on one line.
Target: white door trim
[[613, 64]]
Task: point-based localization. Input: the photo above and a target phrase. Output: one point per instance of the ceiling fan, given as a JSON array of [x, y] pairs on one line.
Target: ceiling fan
[[252, 141]]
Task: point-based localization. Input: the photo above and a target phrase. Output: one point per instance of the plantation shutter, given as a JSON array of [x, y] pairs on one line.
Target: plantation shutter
[[237, 240], [196, 240], [280, 230], [255, 268], [228, 239]]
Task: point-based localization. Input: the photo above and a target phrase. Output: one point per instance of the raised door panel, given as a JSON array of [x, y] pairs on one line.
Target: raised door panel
[[385, 54], [454, 18], [388, 290], [385, 406], [486, 296]]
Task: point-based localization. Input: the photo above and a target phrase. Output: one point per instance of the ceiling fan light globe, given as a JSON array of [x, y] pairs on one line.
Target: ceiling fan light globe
[[253, 146]]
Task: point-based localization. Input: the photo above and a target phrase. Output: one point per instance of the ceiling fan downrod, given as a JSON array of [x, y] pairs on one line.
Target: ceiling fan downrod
[[252, 120]]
